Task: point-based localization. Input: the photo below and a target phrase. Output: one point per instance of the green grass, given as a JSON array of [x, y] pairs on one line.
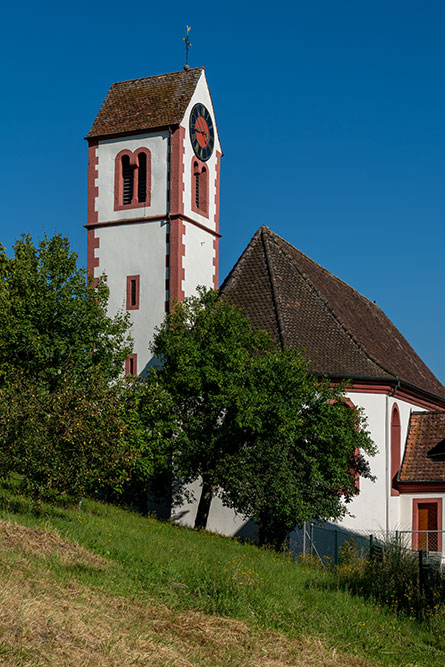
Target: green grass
[[188, 570]]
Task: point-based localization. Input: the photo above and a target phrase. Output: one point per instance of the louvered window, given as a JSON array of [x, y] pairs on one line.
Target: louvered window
[[200, 188], [132, 179], [142, 178], [127, 179], [197, 202]]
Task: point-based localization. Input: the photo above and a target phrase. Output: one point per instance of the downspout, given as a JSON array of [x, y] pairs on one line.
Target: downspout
[[169, 188], [169, 174], [391, 394], [386, 464]]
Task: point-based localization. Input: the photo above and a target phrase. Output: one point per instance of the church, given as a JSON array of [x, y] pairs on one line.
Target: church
[[153, 228]]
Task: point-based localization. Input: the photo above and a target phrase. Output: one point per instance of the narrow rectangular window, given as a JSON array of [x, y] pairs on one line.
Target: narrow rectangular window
[[133, 289], [131, 365]]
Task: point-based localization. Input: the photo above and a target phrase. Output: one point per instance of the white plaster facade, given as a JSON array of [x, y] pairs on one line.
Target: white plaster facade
[[157, 143]]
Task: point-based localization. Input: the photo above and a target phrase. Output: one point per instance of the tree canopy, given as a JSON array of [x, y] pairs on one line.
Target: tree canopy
[[62, 425], [52, 322], [274, 443]]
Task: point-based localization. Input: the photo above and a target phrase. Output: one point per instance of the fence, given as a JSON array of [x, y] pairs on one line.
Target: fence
[[324, 542], [429, 541]]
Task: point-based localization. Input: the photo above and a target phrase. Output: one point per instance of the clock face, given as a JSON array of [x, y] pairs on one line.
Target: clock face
[[202, 133]]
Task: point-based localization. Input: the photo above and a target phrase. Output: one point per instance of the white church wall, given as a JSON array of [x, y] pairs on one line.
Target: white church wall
[[221, 519], [367, 510], [198, 259], [107, 150], [135, 249]]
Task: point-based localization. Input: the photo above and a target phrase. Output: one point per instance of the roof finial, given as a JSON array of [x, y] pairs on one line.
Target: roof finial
[[187, 44]]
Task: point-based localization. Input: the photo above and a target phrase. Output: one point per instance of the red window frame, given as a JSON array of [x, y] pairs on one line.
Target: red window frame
[[119, 180], [133, 281], [200, 171], [131, 365], [395, 448]]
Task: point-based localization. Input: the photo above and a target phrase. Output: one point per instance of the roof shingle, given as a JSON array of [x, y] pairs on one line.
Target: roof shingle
[[426, 430], [302, 304], [145, 104]]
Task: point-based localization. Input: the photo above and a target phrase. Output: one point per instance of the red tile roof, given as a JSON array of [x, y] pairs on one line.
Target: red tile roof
[[144, 104], [426, 430], [302, 304]]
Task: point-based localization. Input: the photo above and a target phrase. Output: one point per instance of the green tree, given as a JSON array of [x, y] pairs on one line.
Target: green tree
[[70, 439], [206, 346], [301, 448], [62, 425], [52, 321], [272, 441], [150, 422]]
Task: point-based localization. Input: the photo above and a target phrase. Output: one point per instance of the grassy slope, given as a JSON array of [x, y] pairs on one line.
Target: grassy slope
[[140, 592]]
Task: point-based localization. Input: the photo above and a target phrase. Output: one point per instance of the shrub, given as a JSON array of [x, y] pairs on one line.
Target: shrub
[[396, 579]]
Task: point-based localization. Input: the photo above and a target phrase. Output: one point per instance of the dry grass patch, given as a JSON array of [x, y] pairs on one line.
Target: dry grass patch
[[43, 543], [44, 622]]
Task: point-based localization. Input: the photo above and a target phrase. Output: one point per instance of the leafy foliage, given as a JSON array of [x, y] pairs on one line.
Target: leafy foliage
[[206, 346], [52, 322], [149, 418], [67, 440], [61, 416], [273, 442]]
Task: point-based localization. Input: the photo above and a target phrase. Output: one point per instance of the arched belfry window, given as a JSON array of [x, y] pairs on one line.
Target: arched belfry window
[[142, 177], [132, 180], [200, 188], [395, 448], [127, 180]]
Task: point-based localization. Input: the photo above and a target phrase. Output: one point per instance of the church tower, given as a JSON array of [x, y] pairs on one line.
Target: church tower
[[153, 198]]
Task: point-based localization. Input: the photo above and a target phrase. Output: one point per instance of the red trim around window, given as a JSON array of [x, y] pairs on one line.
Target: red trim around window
[[200, 171], [133, 291], [119, 181], [131, 365], [431, 501], [395, 448]]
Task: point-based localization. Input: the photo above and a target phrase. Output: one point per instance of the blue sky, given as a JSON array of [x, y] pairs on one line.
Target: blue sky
[[330, 113]]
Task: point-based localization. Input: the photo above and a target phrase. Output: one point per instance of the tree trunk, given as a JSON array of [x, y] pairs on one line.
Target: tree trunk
[[204, 505]]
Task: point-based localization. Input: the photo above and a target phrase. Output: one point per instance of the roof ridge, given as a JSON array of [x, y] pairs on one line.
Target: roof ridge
[[156, 76], [338, 319], [271, 273]]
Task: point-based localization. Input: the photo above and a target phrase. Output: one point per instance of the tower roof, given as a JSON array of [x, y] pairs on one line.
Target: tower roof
[[144, 104], [339, 331]]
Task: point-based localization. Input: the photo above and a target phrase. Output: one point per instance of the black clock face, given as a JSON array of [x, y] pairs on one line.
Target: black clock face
[[202, 133]]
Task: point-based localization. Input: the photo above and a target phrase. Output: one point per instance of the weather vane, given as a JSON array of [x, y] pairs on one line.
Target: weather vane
[[187, 45]]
